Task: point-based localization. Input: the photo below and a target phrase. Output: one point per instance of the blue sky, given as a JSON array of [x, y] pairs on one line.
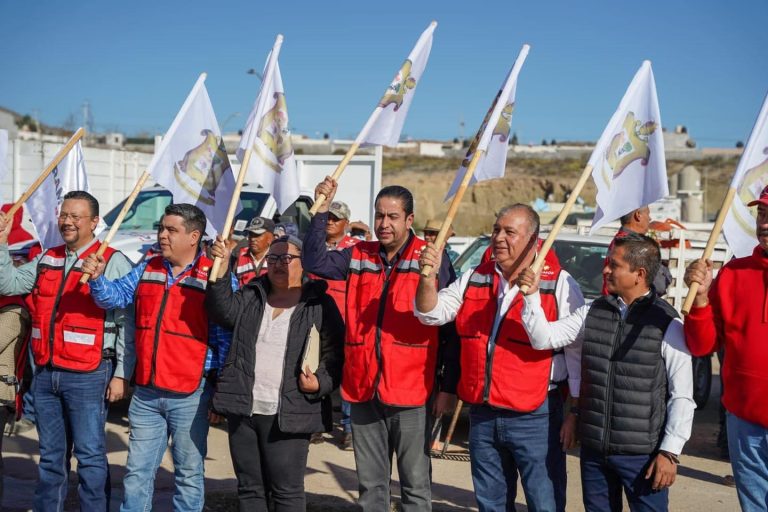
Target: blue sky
[[136, 61]]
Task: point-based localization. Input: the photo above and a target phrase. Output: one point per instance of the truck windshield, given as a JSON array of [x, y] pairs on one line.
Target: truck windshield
[[145, 213]]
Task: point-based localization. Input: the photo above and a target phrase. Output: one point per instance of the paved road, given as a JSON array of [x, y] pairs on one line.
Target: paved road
[[331, 483]]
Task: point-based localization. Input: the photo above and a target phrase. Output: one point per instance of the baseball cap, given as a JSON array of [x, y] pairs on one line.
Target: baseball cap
[[339, 209], [260, 225], [762, 198]]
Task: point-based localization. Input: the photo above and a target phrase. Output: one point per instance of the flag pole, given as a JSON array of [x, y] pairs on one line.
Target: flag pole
[[212, 276], [547, 245], [347, 158], [710, 247], [457, 197], [118, 221], [48, 170]]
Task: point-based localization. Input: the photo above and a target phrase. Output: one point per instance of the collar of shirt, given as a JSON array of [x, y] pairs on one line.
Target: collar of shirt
[[80, 251], [383, 252], [171, 278], [624, 307]]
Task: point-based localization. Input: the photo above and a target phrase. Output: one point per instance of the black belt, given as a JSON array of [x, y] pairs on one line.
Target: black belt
[[108, 353]]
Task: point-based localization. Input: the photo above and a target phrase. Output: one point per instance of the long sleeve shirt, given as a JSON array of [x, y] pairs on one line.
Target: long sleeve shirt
[[120, 292], [677, 361], [565, 365], [21, 280]]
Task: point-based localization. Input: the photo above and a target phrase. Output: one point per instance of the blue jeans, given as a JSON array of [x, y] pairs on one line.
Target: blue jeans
[[346, 416], [28, 400], [70, 406], [501, 443], [154, 415], [603, 478], [748, 446]]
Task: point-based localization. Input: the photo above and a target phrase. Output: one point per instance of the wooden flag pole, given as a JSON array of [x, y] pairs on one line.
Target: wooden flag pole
[[212, 276], [536, 267], [709, 249], [443, 234], [48, 170], [347, 157], [118, 221]]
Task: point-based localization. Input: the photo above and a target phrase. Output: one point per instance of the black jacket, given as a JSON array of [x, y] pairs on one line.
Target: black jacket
[[242, 311]]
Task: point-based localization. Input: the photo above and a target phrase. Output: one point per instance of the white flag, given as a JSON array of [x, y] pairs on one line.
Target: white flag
[[192, 162], [3, 153], [628, 164], [44, 205], [493, 136], [266, 133], [386, 123], [750, 178]]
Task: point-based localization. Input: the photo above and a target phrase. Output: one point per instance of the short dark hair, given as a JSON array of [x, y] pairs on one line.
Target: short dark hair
[[93, 203], [626, 218], [533, 217], [398, 192], [193, 217], [641, 251]]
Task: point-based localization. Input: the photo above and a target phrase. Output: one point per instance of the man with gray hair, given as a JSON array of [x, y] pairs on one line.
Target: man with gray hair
[[516, 415]]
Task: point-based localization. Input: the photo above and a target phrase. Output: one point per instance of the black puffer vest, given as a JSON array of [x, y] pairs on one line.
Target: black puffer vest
[[623, 378]]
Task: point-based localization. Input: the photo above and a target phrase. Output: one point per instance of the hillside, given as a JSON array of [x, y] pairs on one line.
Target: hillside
[[526, 179]]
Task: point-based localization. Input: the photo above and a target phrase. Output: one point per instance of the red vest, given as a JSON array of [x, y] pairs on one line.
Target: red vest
[[11, 300], [244, 269], [171, 327], [67, 325], [338, 289], [516, 376], [388, 352]]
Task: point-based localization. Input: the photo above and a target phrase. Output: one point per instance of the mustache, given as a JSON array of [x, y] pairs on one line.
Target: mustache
[[762, 232]]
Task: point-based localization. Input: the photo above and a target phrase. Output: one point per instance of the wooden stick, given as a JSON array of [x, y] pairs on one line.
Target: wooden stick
[[118, 221], [443, 234], [335, 176], [350, 153], [213, 275], [547, 245], [709, 249], [48, 170], [452, 427]]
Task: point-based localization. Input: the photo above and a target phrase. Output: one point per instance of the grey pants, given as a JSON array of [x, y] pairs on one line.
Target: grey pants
[[378, 431]]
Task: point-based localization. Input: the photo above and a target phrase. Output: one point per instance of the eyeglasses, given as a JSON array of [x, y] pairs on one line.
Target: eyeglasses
[[285, 259], [75, 218]]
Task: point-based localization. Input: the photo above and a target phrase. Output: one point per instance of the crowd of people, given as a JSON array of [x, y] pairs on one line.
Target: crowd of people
[[263, 344]]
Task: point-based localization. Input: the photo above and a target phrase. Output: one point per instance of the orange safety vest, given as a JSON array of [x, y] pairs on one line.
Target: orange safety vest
[[514, 375], [67, 325], [171, 327], [388, 352], [244, 268]]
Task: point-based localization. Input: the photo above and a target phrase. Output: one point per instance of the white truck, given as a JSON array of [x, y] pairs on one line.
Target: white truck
[[358, 187]]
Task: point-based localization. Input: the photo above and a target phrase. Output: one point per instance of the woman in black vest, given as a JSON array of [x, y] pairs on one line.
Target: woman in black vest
[[275, 382]]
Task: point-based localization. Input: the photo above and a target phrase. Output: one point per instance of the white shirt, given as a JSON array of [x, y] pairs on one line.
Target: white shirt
[[677, 360], [270, 360], [565, 365]]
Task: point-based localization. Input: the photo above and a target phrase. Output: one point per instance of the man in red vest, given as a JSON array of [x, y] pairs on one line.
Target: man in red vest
[[731, 314], [77, 347], [517, 409], [176, 358], [249, 261], [391, 360]]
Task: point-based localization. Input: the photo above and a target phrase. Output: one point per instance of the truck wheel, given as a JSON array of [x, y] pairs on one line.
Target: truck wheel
[[702, 380]]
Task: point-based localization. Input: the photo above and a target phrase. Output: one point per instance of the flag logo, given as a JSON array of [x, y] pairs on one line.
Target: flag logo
[[273, 132], [502, 128], [399, 87], [202, 168], [755, 179], [627, 146], [504, 123]]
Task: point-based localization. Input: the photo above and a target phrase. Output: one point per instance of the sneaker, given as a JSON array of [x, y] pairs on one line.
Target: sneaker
[[346, 441], [316, 438]]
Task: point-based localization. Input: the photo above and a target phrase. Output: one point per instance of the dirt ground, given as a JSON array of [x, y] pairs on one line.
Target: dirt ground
[[331, 483]]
